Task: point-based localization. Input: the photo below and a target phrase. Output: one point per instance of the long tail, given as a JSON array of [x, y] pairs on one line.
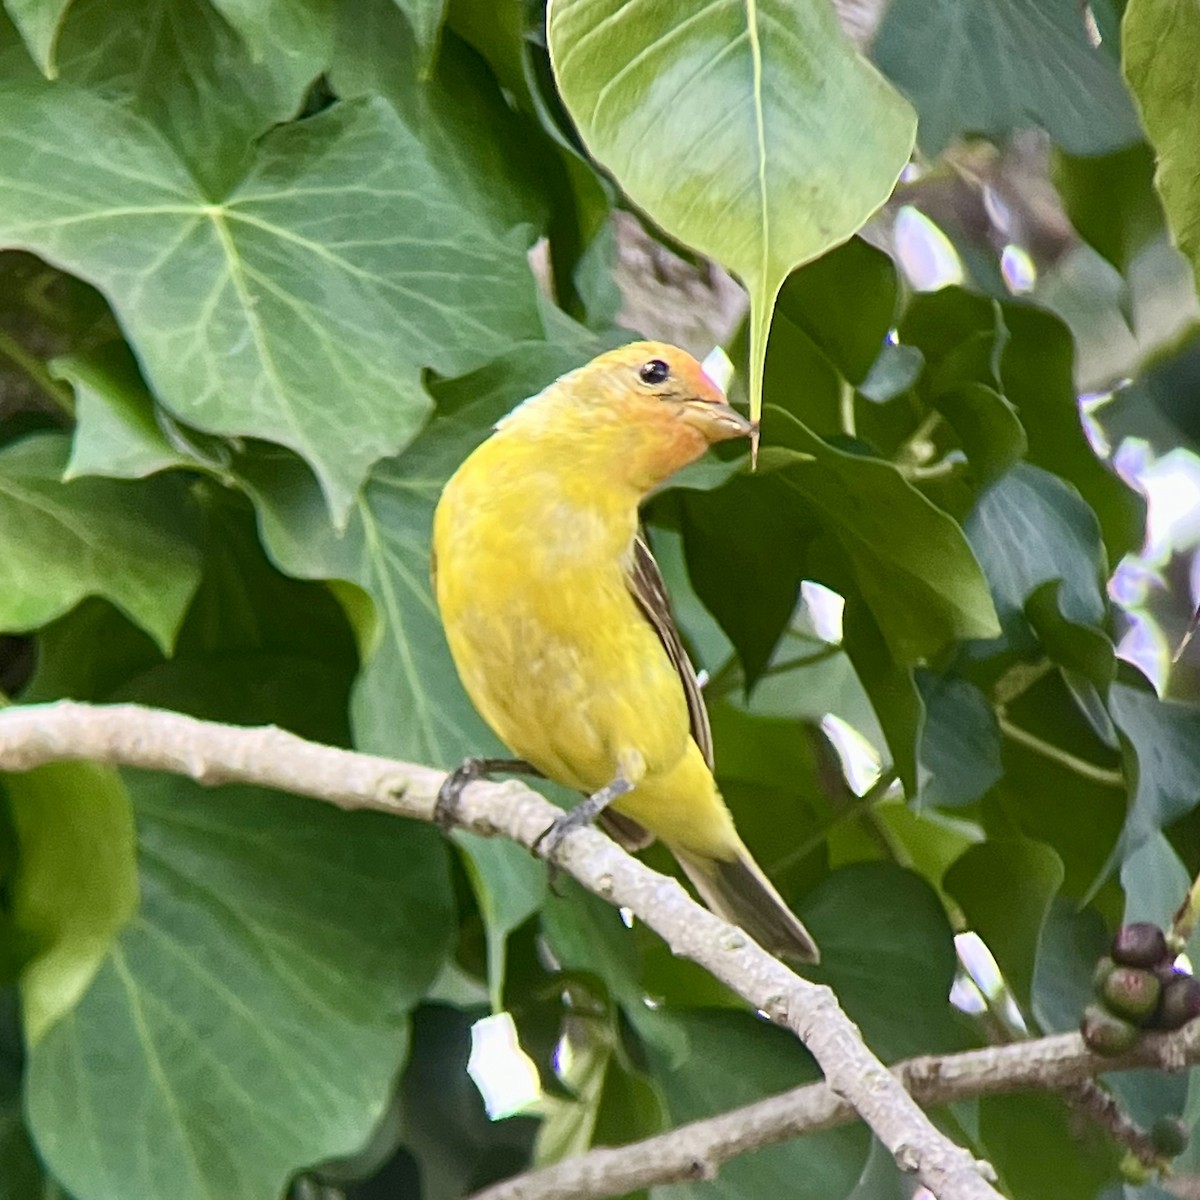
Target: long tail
[[737, 890]]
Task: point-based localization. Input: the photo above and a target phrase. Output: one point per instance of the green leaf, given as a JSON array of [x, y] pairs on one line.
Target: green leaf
[[1021, 1134], [895, 370], [732, 538], [484, 154], [1162, 753], [1004, 66], [733, 1059], [887, 950], [987, 427], [1111, 201], [771, 95], [1059, 786], [75, 883], [118, 432], [1005, 887], [1081, 649], [1071, 942], [39, 22], [253, 1017], [90, 537], [425, 19], [1160, 41], [87, 654], [845, 302], [782, 783], [280, 29], [960, 742], [1037, 368], [307, 280], [1155, 882], [799, 377], [1029, 529], [890, 686], [960, 334], [193, 77], [255, 648], [587, 934], [882, 1178], [510, 886], [909, 559], [408, 701]]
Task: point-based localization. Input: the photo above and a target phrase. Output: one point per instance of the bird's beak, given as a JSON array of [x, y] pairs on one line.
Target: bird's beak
[[717, 421]]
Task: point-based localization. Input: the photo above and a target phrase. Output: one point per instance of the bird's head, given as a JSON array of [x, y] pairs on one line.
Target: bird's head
[[648, 408]]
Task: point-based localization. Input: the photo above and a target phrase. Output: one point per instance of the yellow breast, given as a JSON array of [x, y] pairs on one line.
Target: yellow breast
[[548, 641]]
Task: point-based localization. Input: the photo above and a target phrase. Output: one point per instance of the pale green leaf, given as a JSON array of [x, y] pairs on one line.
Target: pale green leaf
[[90, 537], [252, 1019], [75, 883], [750, 130], [299, 29], [1161, 46], [302, 307]]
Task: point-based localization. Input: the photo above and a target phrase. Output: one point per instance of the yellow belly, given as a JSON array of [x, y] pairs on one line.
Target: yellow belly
[[580, 709]]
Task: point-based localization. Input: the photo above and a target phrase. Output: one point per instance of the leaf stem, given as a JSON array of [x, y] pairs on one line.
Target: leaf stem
[[915, 450], [941, 470], [1064, 758], [847, 419], [57, 393], [859, 804], [1018, 679]]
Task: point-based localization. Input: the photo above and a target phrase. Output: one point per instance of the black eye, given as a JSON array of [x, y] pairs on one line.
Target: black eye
[[655, 371]]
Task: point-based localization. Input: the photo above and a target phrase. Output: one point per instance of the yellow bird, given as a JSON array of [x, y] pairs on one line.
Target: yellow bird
[[559, 625]]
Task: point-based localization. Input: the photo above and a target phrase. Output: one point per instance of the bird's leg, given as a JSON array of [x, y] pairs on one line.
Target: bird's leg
[[584, 813], [445, 811]]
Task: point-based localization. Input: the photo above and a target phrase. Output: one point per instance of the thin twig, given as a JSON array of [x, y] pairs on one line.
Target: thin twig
[[129, 735]]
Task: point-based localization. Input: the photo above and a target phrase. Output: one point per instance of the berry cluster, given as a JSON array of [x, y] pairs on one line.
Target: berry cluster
[[1138, 987]]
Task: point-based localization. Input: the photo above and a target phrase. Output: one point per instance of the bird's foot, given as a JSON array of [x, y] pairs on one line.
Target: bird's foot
[[445, 810], [584, 813]]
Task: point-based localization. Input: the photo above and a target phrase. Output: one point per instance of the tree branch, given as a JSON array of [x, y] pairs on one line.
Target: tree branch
[[129, 735], [697, 1150]]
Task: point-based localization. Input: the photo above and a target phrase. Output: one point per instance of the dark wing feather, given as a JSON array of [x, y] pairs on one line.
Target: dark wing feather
[[647, 587]]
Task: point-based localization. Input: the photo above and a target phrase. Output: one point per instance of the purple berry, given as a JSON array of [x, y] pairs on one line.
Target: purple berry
[[1180, 1002], [1139, 944]]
